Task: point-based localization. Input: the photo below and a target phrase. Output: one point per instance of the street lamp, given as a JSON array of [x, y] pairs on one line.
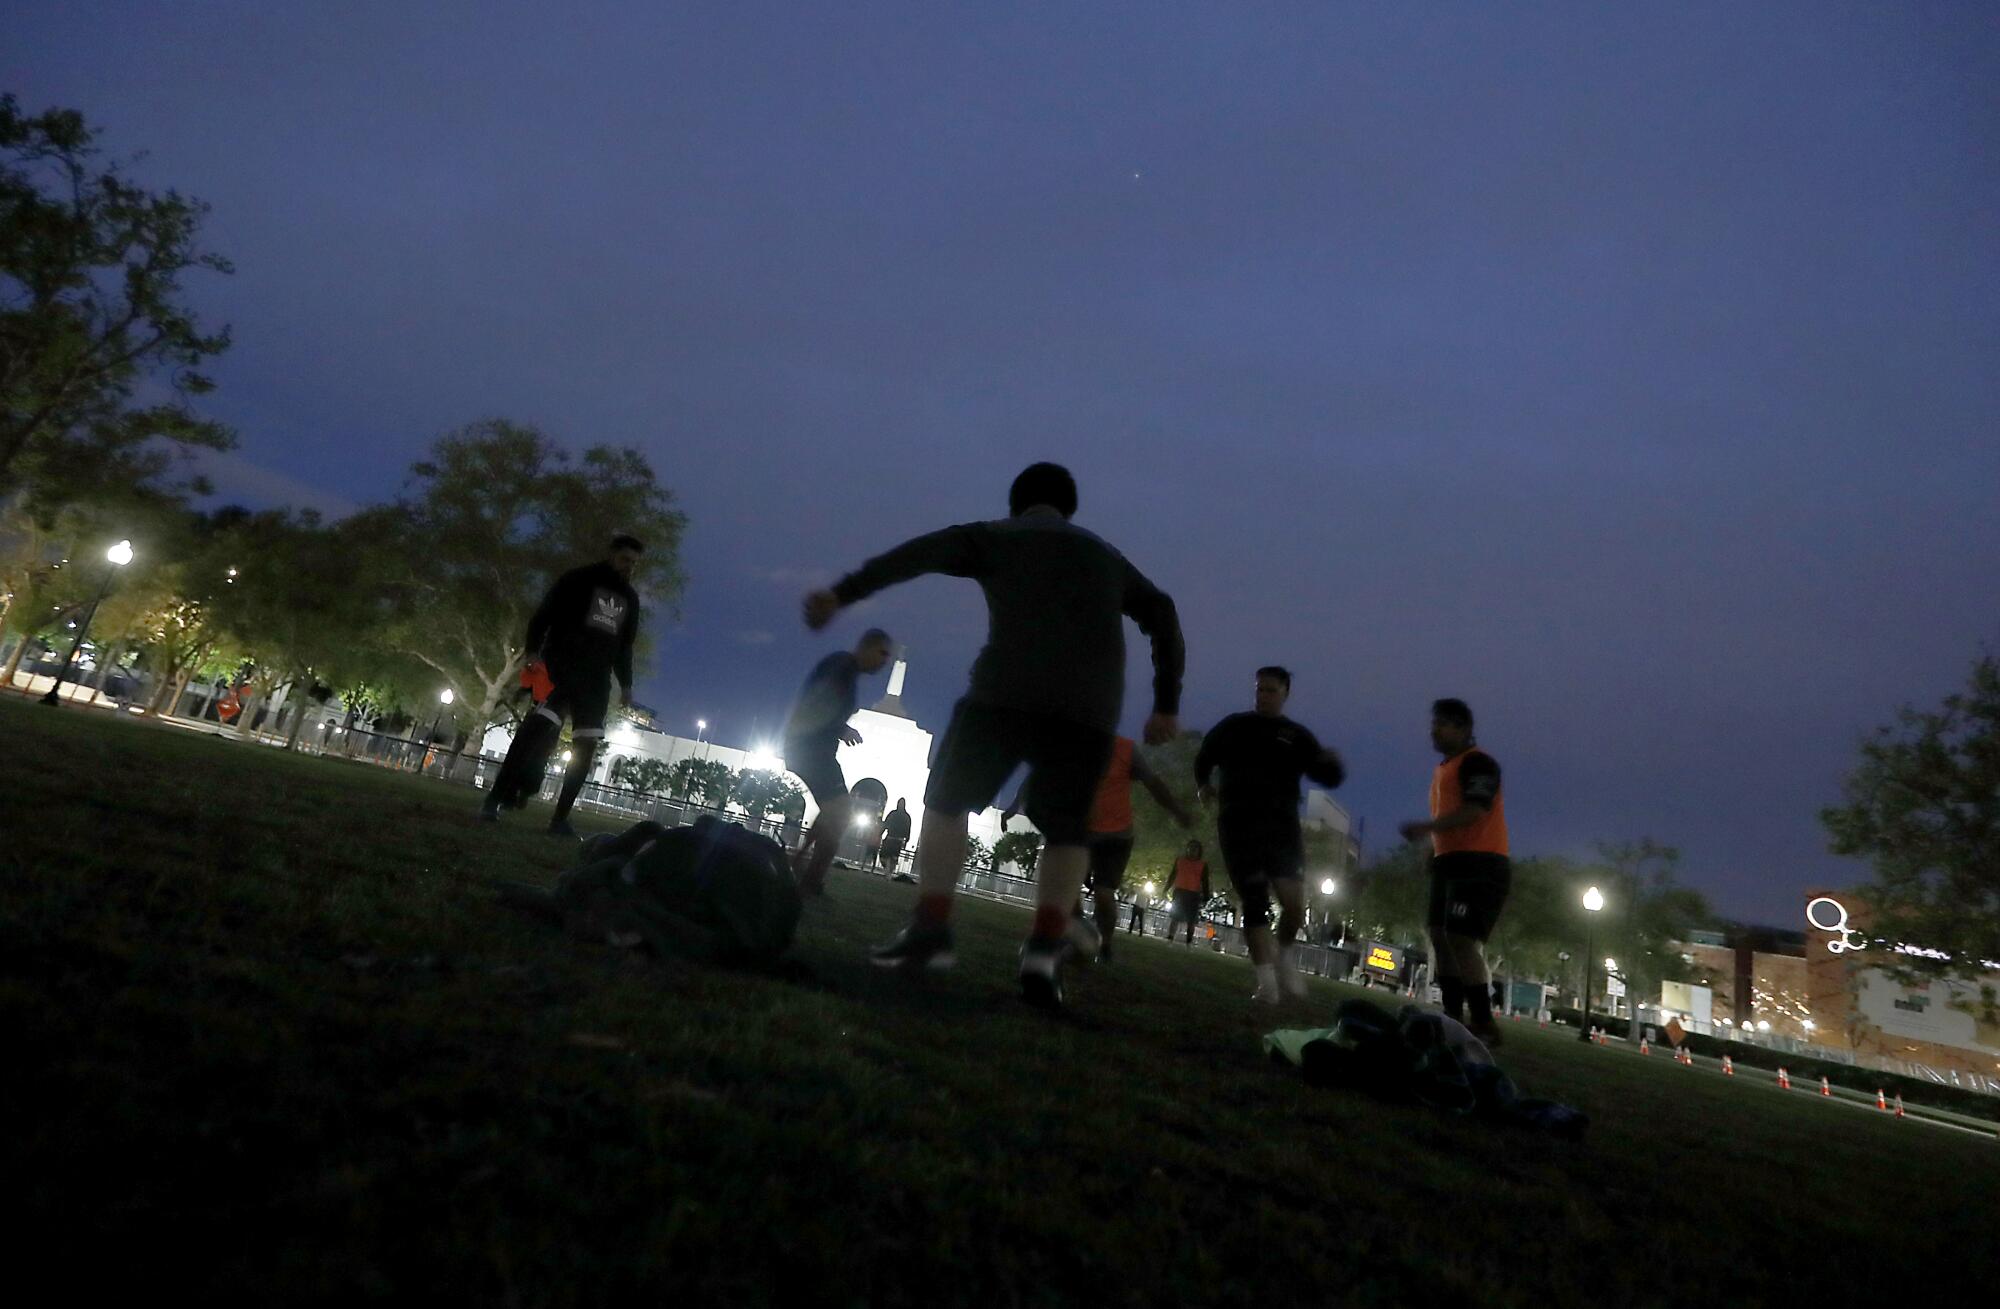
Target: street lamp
[[1326, 886], [701, 734], [1593, 900], [117, 556]]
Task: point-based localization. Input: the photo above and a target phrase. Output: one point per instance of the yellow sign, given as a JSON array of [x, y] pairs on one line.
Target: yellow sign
[[1383, 958]]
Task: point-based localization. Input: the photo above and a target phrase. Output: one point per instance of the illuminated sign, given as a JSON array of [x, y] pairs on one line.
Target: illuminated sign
[[1383, 959], [1830, 915]]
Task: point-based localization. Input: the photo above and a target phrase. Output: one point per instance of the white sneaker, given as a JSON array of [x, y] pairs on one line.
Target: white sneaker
[[1268, 991], [1289, 975], [1266, 994]]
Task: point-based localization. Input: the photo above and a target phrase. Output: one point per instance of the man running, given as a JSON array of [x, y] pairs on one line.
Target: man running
[[1109, 837], [1190, 890], [895, 835], [1262, 755], [1046, 691], [582, 634], [815, 731], [1470, 868]]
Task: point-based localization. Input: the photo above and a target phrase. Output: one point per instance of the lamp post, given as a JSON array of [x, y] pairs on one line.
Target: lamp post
[[444, 702], [118, 556], [1593, 900], [701, 737]]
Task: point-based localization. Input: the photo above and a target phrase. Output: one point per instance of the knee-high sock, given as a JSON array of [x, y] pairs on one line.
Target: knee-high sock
[[582, 751], [521, 773]]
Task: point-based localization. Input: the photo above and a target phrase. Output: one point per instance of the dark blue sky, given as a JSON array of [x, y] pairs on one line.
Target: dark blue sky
[[1630, 375]]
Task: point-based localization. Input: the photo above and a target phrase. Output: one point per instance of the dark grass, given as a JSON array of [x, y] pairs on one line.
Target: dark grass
[[271, 1035]]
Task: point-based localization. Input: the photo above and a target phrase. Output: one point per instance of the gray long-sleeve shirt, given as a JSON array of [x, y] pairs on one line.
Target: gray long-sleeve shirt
[[1055, 599]]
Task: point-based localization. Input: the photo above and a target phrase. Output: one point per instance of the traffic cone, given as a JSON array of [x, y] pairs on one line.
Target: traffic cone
[[1881, 1100], [1899, 1104], [1824, 1087], [1784, 1080], [1728, 1068], [1643, 1047]]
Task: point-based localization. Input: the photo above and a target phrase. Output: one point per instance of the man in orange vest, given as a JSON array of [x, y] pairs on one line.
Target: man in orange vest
[[1110, 835], [1189, 888], [1470, 870]]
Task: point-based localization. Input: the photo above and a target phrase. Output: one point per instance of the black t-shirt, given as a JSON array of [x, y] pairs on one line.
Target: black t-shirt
[[1262, 760], [589, 618], [896, 824], [826, 701]]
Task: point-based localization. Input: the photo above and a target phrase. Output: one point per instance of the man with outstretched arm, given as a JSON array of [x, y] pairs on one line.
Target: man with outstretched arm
[[1470, 868], [582, 634], [1262, 755], [816, 730], [1046, 691]]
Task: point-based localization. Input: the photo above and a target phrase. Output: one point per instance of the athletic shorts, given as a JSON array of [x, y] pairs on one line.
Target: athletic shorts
[[582, 694], [1256, 853], [1468, 890], [1108, 857], [892, 851], [1187, 907], [984, 744], [813, 763]]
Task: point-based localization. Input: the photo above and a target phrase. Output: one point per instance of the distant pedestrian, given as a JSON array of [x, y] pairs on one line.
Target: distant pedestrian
[[895, 835], [814, 733], [1046, 691], [1470, 869], [1189, 888], [1262, 755], [581, 634]]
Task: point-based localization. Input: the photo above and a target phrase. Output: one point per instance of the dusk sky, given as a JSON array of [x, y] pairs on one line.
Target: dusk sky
[[1631, 375]]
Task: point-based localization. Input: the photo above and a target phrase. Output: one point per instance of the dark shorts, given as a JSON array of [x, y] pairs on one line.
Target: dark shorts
[[1256, 853], [813, 763], [984, 744], [582, 694], [892, 852], [1108, 857], [1187, 907], [1468, 890]]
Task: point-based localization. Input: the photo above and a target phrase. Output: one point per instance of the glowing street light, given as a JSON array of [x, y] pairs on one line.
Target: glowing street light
[[117, 556], [1326, 886], [444, 701], [1593, 901]]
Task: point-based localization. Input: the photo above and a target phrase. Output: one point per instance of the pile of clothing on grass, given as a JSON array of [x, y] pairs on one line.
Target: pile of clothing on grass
[[1416, 1056], [714, 893]]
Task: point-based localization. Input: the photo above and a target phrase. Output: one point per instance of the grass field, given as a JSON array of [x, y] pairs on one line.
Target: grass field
[[270, 1036]]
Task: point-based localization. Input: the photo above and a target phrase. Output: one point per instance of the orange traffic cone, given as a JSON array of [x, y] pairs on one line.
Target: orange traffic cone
[[1728, 1068], [1784, 1080], [1643, 1047], [1881, 1100], [1899, 1104], [1824, 1087]]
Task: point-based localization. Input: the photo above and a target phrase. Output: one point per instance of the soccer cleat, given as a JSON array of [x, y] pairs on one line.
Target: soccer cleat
[[916, 947], [1041, 973], [1084, 938], [561, 827], [1289, 976], [489, 813], [1266, 994]]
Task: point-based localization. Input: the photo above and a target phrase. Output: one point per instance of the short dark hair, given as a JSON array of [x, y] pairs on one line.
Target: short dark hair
[[1453, 711], [1282, 674], [1043, 484], [876, 636], [626, 541]]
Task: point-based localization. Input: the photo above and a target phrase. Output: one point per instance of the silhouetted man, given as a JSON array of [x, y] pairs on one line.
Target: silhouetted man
[[895, 835], [814, 734], [1262, 755], [582, 633], [1046, 691]]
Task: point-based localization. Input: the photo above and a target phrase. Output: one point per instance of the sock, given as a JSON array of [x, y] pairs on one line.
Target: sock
[[933, 910], [581, 753], [1288, 958], [1051, 924], [1267, 976], [1454, 997], [1479, 999]]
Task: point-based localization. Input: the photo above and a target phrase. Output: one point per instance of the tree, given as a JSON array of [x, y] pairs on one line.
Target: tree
[[705, 781], [646, 776], [1022, 849], [978, 855], [90, 311], [490, 519], [763, 791], [1392, 896], [1923, 807], [1157, 839], [1647, 916]]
